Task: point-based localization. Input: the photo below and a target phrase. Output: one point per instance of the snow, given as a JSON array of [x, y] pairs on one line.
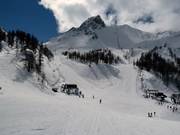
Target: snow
[[27, 109], [122, 36], [171, 41]]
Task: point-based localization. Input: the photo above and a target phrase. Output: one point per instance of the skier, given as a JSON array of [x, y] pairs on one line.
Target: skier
[[80, 93], [154, 114], [100, 101], [151, 114], [176, 108], [93, 96]]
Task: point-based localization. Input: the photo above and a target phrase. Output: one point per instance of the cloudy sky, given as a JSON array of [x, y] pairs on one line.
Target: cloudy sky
[[47, 18], [147, 15]]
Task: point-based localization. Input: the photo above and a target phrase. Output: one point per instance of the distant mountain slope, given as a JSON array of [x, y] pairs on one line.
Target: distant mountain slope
[[93, 33], [172, 41], [163, 62]]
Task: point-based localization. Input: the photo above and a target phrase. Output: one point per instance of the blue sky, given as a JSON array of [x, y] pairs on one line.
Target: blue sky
[[29, 16], [41, 19]]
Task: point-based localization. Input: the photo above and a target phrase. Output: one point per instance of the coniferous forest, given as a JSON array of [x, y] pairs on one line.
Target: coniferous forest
[[168, 71], [94, 56], [28, 46]]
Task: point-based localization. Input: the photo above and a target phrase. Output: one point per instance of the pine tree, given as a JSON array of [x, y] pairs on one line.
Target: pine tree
[[40, 59]]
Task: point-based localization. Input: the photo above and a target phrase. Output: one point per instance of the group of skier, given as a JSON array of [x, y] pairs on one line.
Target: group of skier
[[100, 100], [82, 95], [161, 103], [150, 114], [172, 108]]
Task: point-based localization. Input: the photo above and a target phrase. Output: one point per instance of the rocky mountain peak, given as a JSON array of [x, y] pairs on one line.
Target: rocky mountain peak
[[93, 23]]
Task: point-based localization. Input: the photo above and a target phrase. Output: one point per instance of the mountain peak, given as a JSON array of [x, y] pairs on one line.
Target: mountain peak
[[88, 27], [93, 23]]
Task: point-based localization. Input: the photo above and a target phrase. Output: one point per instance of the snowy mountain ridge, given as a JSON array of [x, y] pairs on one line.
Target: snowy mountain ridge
[[88, 27], [93, 33]]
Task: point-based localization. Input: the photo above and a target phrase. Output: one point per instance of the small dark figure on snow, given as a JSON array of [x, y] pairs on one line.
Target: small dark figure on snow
[[100, 101], [82, 95], [149, 114], [154, 113], [176, 108], [93, 96]]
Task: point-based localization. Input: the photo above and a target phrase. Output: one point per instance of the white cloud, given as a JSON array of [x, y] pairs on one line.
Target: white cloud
[[71, 13]]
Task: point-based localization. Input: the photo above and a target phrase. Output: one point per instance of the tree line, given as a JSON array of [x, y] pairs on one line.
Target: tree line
[[28, 46], [167, 70], [94, 56]]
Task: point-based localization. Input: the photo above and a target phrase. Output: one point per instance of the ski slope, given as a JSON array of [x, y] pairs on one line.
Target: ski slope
[[27, 109]]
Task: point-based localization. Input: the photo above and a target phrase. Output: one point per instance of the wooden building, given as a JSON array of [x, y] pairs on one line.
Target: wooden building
[[70, 89]]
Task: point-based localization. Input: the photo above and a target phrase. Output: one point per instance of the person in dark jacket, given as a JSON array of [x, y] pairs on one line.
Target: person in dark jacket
[[100, 101]]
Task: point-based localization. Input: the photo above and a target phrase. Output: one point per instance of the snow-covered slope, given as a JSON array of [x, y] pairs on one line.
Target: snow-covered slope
[[171, 41], [28, 106], [167, 53], [24, 109]]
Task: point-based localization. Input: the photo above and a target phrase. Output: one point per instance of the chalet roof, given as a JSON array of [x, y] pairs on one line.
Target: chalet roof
[[70, 86]]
